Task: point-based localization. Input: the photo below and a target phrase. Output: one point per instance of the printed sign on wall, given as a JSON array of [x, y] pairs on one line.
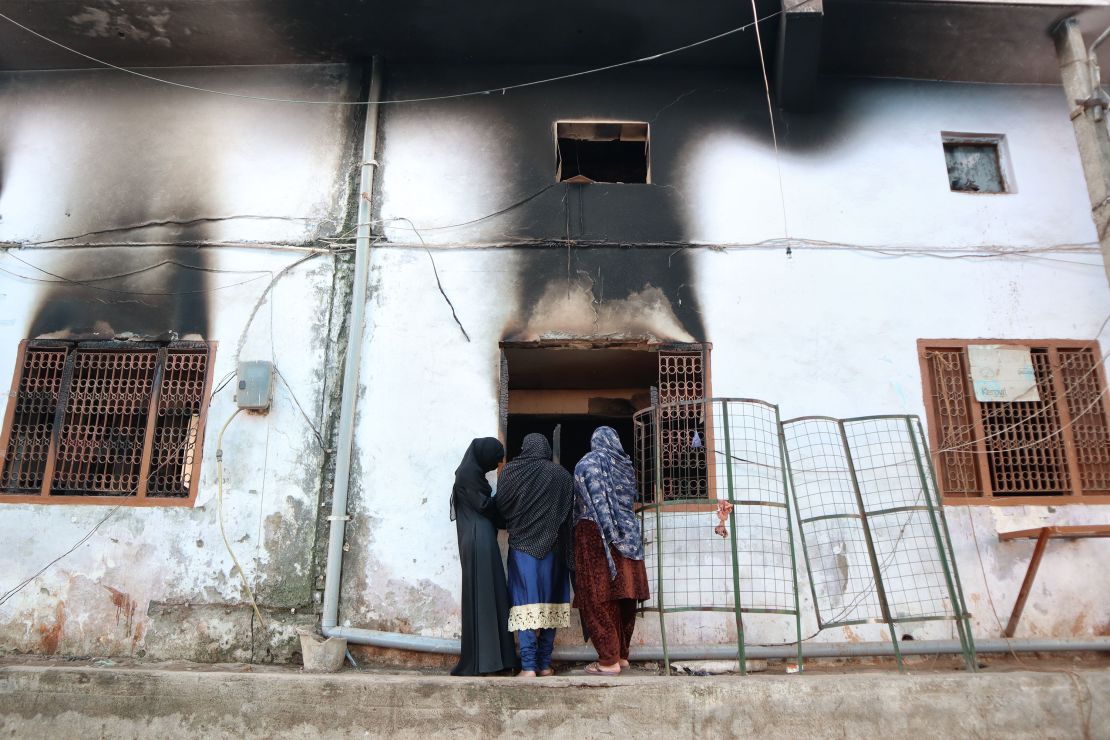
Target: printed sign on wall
[[1002, 373]]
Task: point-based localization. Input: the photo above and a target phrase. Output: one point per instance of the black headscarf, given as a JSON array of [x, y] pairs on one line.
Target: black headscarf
[[535, 496], [481, 456]]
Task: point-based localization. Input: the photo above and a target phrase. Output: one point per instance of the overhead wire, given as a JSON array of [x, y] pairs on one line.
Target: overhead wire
[[173, 222], [91, 284], [428, 99], [7, 595], [771, 120]]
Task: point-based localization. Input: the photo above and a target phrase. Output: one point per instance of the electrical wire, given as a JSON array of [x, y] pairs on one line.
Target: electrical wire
[[439, 284], [315, 431], [82, 540], [220, 514], [85, 537], [771, 119], [489, 91], [139, 271], [93, 286], [176, 222]]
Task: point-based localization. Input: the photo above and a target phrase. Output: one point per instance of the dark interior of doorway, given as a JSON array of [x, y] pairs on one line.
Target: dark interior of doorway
[[579, 389], [574, 435]]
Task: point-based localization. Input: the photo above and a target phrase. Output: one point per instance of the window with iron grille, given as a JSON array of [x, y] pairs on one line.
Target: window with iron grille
[[1053, 448], [105, 421], [673, 433]]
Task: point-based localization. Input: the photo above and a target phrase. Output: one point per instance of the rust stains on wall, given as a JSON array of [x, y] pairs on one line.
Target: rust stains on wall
[[51, 635], [125, 607]]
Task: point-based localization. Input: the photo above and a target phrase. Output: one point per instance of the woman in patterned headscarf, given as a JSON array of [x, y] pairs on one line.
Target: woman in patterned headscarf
[[608, 550], [487, 647], [535, 495]]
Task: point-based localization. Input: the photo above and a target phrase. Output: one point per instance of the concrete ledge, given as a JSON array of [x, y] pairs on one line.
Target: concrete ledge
[[94, 702]]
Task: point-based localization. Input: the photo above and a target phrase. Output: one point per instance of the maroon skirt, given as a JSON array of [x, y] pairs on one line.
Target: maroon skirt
[[592, 584]]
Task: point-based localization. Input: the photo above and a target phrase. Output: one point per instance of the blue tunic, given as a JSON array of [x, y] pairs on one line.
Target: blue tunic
[[539, 591]]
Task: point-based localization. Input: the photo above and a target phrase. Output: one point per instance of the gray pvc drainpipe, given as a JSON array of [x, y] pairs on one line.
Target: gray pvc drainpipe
[[353, 360], [416, 643]]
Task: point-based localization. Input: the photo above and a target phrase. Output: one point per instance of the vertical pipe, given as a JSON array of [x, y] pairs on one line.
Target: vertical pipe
[[880, 591], [1091, 136], [353, 360], [736, 605]]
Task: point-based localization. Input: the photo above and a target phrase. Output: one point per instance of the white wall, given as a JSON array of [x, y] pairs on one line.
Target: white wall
[[830, 332], [822, 332], [84, 151]]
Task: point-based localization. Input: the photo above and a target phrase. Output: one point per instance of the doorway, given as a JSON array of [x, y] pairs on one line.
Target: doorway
[[575, 389]]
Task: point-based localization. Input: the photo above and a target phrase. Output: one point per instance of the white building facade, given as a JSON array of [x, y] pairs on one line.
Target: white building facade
[[813, 268]]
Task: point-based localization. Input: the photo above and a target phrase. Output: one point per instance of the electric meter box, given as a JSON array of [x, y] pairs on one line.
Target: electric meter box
[[254, 385]]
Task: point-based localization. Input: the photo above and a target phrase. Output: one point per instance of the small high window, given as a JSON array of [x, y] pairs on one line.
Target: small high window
[[976, 163], [602, 151]]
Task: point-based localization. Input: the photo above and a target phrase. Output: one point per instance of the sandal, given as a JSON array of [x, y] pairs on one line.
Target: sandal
[[595, 669]]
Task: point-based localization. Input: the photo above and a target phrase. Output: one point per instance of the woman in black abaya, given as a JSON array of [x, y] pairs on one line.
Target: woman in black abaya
[[487, 646]]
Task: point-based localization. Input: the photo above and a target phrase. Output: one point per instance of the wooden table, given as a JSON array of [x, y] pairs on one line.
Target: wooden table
[[1042, 535]]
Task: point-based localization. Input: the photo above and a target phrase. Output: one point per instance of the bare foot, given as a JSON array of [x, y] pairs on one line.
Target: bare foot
[[546, 672], [596, 669], [526, 674], [623, 663]]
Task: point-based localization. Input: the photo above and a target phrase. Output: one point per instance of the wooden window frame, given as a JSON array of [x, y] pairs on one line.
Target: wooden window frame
[[139, 497], [987, 497]]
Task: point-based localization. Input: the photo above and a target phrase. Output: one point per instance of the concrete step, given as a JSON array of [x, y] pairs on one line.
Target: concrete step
[[87, 701]]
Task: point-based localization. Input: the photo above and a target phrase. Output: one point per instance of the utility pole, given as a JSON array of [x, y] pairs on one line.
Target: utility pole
[[1088, 104]]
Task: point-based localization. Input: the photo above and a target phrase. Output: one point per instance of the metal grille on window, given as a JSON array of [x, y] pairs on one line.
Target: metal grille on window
[[956, 430], [32, 423], [1087, 410], [682, 426], [180, 396], [1025, 450], [1058, 445], [105, 419], [100, 448]]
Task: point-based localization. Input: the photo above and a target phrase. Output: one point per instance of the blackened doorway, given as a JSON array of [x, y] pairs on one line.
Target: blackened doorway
[[577, 389]]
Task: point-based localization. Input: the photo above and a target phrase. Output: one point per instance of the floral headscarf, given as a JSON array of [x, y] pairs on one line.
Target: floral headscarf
[[605, 489]]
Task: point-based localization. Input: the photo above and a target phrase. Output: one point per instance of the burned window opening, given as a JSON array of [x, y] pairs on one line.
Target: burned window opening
[[602, 152], [105, 420]]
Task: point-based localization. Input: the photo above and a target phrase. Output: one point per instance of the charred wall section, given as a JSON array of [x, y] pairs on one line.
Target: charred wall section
[[115, 181], [448, 164]]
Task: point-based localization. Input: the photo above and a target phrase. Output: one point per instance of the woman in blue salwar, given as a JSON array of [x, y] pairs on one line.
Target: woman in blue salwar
[[534, 495]]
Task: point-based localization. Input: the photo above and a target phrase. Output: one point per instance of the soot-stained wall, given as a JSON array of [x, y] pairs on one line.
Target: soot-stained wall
[[824, 331], [865, 169], [177, 203], [450, 162], [101, 158]]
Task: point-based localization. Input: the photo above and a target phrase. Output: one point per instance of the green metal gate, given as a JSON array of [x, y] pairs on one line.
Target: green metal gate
[[723, 483]]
